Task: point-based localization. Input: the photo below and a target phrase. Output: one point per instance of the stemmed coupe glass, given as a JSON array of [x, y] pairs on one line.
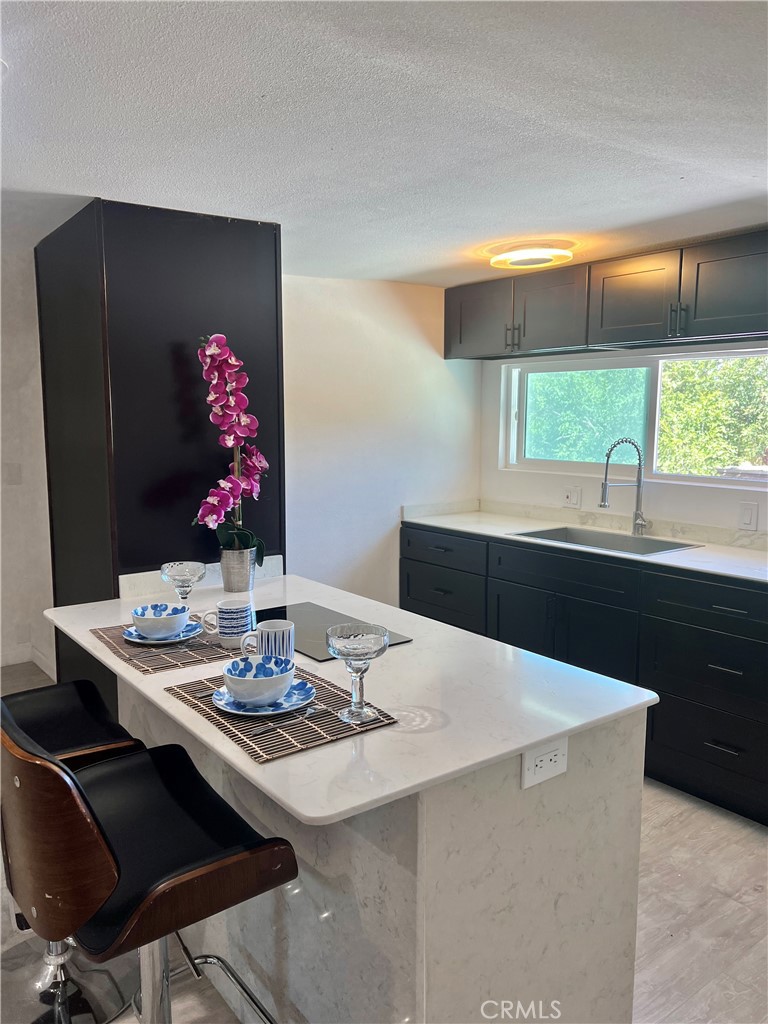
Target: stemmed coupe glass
[[182, 576], [357, 644]]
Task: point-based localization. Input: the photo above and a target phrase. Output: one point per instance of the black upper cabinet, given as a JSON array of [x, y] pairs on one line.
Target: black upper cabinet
[[634, 299], [124, 293], [478, 319], [724, 287], [550, 310], [715, 289]]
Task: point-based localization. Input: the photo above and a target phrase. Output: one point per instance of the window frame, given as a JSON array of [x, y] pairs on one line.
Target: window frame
[[513, 398]]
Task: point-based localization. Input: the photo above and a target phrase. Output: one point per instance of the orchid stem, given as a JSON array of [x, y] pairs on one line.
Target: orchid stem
[[237, 511]]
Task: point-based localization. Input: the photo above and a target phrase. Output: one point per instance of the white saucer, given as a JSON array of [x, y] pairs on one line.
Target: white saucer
[[134, 636], [299, 695]]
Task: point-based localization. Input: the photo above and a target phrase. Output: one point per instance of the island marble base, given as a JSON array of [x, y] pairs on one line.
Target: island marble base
[[439, 906]]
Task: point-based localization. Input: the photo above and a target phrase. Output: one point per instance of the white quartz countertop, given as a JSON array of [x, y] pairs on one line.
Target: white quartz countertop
[[740, 563], [462, 701]]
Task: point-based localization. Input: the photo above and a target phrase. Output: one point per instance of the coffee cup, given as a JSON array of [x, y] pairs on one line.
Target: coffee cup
[[231, 619], [273, 637]]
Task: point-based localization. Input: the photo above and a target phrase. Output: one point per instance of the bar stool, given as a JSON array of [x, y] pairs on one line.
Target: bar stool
[[144, 847], [70, 721]]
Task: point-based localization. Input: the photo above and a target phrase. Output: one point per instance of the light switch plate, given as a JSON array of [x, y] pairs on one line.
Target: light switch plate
[[747, 515], [571, 497]]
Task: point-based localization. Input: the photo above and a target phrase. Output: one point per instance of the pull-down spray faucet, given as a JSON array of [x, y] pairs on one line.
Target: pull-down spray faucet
[[639, 522]]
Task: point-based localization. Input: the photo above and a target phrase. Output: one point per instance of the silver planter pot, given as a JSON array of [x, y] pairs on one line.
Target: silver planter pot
[[238, 569]]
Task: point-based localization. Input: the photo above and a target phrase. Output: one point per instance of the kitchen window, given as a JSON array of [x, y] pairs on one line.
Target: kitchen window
[[696, 417]]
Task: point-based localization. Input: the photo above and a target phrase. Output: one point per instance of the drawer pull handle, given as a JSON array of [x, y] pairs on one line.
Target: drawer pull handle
[[725, 608], [725, 749], [435, 547], [441, 592], [730, 671]]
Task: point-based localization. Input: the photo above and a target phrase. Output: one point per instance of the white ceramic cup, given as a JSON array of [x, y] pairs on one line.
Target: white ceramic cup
[[231, 619], [273, 636]]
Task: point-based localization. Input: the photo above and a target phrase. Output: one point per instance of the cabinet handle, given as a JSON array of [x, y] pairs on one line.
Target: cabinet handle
[[517, 329], [730, 671], [441, 592], [725, 608], [508, 340], [672, 312], [436, 547], [681, 309], [724, 748]]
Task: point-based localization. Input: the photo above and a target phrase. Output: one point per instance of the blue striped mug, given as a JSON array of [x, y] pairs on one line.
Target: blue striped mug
[[273, 636]]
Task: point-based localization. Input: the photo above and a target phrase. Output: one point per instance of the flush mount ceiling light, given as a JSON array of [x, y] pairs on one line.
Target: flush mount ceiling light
[[533, 256]]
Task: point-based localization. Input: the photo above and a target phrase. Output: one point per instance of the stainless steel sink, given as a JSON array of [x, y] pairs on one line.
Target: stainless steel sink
[[603, 539]]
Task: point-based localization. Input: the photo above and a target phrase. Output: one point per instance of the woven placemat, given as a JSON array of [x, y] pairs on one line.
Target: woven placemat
[[200, 650], [268, 739]]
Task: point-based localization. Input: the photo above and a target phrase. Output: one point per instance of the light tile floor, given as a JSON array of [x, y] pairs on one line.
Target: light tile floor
[[702, 948]]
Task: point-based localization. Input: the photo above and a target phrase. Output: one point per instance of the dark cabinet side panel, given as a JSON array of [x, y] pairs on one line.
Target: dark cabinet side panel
[[69, 283], [172, 277]]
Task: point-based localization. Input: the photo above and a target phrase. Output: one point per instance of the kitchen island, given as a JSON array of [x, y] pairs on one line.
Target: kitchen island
[[431, 886]]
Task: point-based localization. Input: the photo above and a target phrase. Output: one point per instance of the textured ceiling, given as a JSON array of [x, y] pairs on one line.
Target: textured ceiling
[[392, 139]]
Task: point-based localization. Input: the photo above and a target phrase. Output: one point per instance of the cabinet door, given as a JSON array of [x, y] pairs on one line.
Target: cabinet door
[[522, 616], [551, 310], [478, 320], [597, 637], [724, 287], [634, 299]]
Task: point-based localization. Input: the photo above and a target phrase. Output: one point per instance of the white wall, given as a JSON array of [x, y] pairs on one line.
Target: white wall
[[375, 418], [26, 560], [709, 506]]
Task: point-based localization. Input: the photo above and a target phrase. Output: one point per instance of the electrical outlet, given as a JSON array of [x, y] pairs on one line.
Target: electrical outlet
[[571, 497], [747, 515], [544, 762]]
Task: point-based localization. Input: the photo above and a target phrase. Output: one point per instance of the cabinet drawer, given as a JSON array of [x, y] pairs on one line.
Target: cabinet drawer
[[449, 595], [575, 577], [716, 669], [713, 737], [728, 609], [444, 549]]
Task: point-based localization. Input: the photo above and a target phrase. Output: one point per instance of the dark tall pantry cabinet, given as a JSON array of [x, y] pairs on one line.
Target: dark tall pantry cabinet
[[124, 293]]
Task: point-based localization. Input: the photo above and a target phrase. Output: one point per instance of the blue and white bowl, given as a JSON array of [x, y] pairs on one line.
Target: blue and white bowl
[[258, 681], [160, 621]]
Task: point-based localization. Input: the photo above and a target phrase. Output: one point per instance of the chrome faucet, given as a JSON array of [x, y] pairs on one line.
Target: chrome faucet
[[639, 522]]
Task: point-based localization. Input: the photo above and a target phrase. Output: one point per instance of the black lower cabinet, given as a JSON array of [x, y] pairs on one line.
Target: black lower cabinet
[[597, 637], [448, 595], [522, 616], [709, 753], [582, 633], [699, 641]]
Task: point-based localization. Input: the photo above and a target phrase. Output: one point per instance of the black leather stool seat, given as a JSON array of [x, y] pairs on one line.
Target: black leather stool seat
[[68, 720], [182, 853]]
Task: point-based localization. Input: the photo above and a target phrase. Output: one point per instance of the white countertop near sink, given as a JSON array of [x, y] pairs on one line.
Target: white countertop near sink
[[739, 563]]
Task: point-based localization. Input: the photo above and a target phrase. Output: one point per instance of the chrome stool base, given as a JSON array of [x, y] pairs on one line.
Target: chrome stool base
[[52, 983], [156, 978]]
